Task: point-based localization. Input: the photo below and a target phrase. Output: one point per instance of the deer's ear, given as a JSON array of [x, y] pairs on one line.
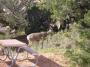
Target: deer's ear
[[52, 25]]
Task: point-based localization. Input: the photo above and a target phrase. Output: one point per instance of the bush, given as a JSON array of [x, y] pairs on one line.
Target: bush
[[81, 54], [87, 18]]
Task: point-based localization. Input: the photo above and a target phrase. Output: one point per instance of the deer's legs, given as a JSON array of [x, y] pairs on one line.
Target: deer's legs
[[42, 44], [29, 43]]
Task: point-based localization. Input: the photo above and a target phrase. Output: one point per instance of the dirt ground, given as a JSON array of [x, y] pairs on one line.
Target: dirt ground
[[44, 60]]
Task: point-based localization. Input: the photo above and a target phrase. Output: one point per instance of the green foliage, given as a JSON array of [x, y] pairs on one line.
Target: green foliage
[[87, 18], [79, 55], [85, 33], [13, 14], [58, 8], [2, 36], [39, 19]]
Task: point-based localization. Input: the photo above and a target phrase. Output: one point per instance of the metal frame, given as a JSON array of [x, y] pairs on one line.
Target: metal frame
[[13, 56], [8, 52]]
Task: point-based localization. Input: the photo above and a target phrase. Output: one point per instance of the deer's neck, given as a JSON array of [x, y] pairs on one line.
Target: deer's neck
[[49, 31]]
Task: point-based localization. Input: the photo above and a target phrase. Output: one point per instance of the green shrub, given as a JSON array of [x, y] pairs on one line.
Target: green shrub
[[80, 55], [87, 18]]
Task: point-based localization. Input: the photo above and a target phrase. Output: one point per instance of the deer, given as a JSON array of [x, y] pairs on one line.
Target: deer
[[36, 37]]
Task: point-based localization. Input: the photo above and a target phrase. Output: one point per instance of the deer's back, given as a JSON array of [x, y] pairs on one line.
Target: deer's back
[[37, 36]]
